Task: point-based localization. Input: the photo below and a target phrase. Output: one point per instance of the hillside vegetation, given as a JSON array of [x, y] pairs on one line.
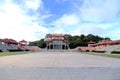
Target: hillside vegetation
[[74, 41]]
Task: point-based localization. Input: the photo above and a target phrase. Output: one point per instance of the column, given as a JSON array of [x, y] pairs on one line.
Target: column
[[53, 45], [65, 46], [61, 45], [68, 46], [48, 46]]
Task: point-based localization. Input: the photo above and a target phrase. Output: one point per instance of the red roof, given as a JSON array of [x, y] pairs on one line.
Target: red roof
[[91, 42], [57, 35], [6, 40], [48, 35], [114, 42], [57, 40], [107, 42], [23, 41]]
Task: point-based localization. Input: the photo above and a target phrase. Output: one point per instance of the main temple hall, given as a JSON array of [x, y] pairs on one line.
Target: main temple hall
[[57, 41]]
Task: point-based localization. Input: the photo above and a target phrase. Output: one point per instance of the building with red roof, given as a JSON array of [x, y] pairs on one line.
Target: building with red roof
[[23, 42], [105, 43], [10, 44], [93, 46], [56, 41], [9, 41]]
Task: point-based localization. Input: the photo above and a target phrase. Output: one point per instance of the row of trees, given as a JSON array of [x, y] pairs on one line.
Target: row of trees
[[39, 43], [83, 40], [74, 41]]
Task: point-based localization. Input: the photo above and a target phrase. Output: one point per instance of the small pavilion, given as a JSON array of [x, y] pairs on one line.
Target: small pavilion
[[23, 42]]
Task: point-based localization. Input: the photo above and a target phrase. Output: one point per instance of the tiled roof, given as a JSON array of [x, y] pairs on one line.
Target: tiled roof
[[6, 40], [106, 42], [23, 41], [57, 35]]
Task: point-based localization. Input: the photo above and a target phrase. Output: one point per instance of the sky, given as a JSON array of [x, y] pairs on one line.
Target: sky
[[33, 19]]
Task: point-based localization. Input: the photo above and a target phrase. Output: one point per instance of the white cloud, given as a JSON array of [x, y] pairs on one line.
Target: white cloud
[[15, 24], [100, 10], [91, 29], [92, 16], [113, 34], [65, 24], [66, 20], [11, 14], [33, 4], [98, 17], [60, 30]]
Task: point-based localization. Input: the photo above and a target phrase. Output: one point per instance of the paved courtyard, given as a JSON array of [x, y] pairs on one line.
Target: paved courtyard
[[58, 66]]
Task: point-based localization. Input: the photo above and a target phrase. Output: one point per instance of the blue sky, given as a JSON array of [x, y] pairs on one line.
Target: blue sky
[[33, 19]]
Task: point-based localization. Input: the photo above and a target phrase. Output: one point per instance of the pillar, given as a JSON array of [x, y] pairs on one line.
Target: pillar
[[48, 46], [61, 45], [65, 46]]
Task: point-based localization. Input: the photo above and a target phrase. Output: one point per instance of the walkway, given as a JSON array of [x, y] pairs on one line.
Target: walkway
[[58, 66]]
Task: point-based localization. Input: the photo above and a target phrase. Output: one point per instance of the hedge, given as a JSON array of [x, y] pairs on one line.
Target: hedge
[[115, 52], [1, 51], [14, 50], [99, 51]]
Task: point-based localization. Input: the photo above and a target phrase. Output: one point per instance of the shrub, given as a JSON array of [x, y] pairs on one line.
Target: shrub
[[115, 52], [98, 51], [14, 50], [87, 51], [27, 50], [1, 51]]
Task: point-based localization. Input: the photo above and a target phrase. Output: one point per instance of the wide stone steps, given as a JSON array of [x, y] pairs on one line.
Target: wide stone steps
[[55, 50]]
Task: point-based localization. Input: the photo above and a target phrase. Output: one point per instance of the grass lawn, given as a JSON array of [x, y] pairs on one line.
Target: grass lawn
[[12, 53], [105, 55]]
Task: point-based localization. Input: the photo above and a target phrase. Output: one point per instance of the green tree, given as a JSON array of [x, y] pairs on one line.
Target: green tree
[[74, 41], [39, 43]]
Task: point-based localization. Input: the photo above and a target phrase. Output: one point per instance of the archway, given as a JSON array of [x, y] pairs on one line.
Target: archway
[[47, 47], [51, 46], [63, 46]]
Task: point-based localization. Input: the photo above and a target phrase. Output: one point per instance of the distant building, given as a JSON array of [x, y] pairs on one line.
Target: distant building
[[56, 41], [104, 43], [9, 41], [7, 45], [93, 46], [23, 43]]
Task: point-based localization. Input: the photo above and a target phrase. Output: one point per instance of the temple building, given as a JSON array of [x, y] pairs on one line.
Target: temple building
[[23, 43], [104, 45], [56, 41], [8, 45]]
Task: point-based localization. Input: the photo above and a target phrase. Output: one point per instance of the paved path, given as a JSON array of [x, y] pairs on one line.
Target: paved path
[[58, 66]]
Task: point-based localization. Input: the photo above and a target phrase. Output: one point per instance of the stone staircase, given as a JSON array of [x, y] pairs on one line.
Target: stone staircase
[[55, 50], [110, 48], [5, 47]]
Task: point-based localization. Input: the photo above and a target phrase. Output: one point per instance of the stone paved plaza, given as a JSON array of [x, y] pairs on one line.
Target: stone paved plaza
[[58, 66]]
